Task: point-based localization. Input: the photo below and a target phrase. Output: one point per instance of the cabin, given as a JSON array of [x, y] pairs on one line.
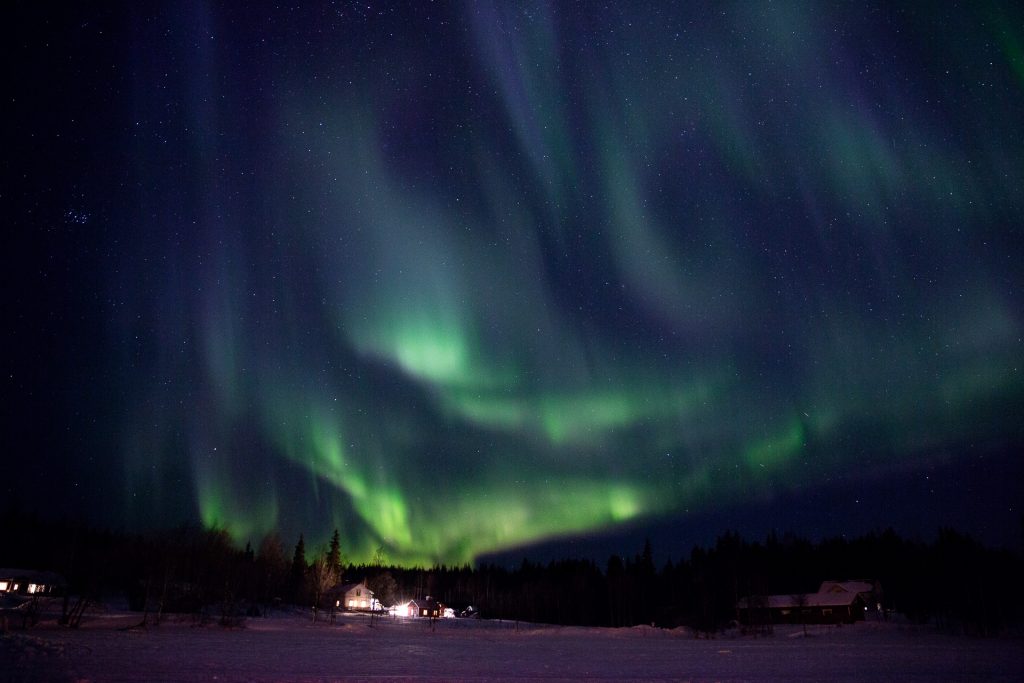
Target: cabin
[[427, 607], [354, 597], [869, 591], [836, 602], [803, 608], [29, 582], [19, 591]]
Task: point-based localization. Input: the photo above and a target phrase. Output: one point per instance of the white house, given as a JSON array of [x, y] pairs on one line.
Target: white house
[[355, 597]]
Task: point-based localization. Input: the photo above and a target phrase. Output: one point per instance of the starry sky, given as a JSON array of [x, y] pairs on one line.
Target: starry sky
[[463, 279]]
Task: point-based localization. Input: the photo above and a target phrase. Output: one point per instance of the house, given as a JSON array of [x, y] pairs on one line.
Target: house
[[421, 607], [804, 608], [836, 602], [869, 591], [355, 597], [19, 591], [29, 582]]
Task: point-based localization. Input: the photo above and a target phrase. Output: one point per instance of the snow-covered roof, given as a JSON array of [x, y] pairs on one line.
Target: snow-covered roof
[[344, 589], [33, 575], [846, 587], [428, 602]]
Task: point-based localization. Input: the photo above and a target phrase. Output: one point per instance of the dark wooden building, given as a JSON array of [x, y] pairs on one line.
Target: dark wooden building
[[836, 602], [425, 607], [29, 582], [803, 608]]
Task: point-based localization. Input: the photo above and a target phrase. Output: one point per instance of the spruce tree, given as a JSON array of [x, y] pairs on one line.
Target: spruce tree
[[299, 568], [272, 563], [334, 556]]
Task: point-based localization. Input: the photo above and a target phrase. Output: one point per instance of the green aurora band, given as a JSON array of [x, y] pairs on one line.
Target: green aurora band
[[586, 282]]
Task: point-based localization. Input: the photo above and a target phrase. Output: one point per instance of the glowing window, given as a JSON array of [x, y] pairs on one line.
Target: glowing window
[[3, 585], [351, 603], [32, 588]]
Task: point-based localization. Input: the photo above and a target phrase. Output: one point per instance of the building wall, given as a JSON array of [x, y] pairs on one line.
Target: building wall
[[810, 614], [358, 598]]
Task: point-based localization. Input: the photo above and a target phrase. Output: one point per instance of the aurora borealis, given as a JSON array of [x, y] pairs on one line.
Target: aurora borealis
[[455, 278]]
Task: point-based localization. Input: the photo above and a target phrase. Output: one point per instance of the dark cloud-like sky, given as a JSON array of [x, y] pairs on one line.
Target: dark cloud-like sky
[[463, 278]]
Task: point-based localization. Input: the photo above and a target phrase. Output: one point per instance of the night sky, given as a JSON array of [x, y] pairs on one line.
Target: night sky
[[464, 278]]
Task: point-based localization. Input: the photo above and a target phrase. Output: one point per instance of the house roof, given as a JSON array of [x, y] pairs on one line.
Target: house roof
[[32, 576], [344, 588], [846, 587], [428, 602]]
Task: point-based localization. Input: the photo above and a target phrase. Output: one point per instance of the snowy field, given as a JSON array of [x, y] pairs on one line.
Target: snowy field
[[291, 648]]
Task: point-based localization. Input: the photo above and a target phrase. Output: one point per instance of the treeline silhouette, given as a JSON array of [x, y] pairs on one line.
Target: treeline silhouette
[[953, 582]]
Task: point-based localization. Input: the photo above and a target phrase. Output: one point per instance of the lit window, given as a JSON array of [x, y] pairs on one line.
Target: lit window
[[32, 588], [351, 603], [3, 585]]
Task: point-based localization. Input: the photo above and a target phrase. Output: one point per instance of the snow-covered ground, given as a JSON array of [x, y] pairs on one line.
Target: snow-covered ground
[[289, 647]]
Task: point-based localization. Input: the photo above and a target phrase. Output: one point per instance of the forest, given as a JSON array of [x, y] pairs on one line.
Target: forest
[[953, 582]]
